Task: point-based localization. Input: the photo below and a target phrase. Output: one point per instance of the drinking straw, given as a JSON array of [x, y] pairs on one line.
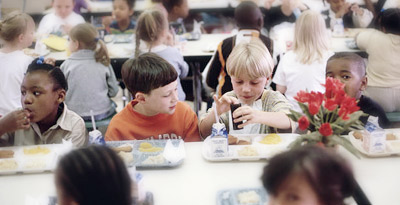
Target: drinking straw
[[215, 113], [93, 122]]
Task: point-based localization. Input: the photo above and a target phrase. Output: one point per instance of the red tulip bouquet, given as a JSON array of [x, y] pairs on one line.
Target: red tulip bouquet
[[327, 116]]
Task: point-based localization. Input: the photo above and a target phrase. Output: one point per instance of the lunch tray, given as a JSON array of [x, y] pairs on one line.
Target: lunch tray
[[265, 151], [176, 149], [392, 146], [230, 196]]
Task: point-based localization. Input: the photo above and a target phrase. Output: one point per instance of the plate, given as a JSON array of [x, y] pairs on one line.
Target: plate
[[392, 146], [233, 196], [247, 152]]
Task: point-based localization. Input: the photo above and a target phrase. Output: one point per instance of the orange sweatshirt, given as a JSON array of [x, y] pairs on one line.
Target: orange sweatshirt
[[131, 125]]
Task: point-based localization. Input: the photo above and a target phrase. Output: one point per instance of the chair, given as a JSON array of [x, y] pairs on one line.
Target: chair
[[393, 116], [101, 125]]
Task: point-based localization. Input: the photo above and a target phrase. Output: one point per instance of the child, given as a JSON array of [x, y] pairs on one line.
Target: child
[[16, 33], [152, 28], [350, 69], [93, 175], [250, 67], [352, 15], [249, 27], [79, 4], [122, 12], [45, 118], [383, 48], [308, 175], [155, 112], [177, 10], [89, 73], [303, 68], [61, 20]]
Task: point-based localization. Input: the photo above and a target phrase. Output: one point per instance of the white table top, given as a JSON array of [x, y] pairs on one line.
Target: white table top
[[197, 181], [206, 46]]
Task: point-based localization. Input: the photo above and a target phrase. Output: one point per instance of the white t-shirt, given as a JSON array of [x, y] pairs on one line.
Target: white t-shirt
[[12, 70], [297, 76], [54, 24]]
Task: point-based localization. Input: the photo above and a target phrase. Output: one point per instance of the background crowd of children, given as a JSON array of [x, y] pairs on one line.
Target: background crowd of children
[[44, 104]]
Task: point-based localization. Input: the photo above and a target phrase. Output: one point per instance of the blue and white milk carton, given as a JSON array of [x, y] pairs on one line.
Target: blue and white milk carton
[[219, 141]]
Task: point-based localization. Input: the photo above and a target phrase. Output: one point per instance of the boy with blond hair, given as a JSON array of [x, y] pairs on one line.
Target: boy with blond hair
[[155, 112], [250, 67]]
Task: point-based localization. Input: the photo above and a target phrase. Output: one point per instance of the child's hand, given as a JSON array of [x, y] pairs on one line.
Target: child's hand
[[18, 119], [246, 113], [106, 21], [356, 9], [343, 10], [224, 103], [51, 61]]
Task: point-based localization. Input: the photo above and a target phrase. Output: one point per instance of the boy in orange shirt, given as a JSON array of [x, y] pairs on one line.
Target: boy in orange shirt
[[155, 113]]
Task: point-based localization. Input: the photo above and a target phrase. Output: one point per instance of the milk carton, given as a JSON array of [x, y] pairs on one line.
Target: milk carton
[[218, 140], [374, 140]]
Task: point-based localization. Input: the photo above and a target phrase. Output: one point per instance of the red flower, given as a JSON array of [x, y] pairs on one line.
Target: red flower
[[303, 123], [348, 106], [313, 108], [332, 86], [315, 102], [302, 96], [330, 104], [325, 129]]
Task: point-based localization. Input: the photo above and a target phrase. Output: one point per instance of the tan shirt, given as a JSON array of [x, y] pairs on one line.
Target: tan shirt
[[383, 58], [69, 126]]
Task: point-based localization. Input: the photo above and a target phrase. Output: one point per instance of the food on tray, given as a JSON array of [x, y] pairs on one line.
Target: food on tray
[[395, 146], [147, 147], [8, 164], [123, 148], [271, 139], [36, 150], [158, 159], [55, 42], [31, 52], [232, 140], [248, 151], [248, 197], [6, 154], [35, 163], [358, 135], [127, 157], [391, 136]]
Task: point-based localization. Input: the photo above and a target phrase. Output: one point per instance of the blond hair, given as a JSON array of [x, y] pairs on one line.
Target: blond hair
[[13, 25], [310, 38], [150, 26], [251, 59], [87, 36]]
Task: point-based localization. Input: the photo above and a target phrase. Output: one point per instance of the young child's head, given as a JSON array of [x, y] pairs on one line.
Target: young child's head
[[311, 39], [18, 29], [248, 16], [308, 175], [42, 91], [123, 9], [92, 175], [176, 9], [63, 8], [152, 81], [349, 68], [250, 66], [152, 27], [389, 21], [336, 5], [85, 36]]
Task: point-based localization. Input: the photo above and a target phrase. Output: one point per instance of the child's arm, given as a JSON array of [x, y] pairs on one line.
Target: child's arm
[[281, 88], [361, 17], [223, 105], [273, 119], [18, 119]]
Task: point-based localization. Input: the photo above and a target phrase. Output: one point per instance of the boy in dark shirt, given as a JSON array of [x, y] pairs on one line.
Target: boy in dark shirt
[[350, 69], [249, 19]]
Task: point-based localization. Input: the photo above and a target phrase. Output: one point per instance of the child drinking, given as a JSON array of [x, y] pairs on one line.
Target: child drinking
[[303, 68], [349, 68], [250, 67], [61, 20], [90, 75], [121, 13], [155, 112], [308, 175], [152, 29], [16, 33], [93, 175], [45, 118]]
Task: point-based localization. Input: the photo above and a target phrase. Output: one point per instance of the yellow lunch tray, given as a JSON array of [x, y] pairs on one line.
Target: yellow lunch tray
[[55, 42]]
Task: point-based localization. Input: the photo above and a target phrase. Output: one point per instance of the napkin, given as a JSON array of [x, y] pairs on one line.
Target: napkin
[[174, 154]]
